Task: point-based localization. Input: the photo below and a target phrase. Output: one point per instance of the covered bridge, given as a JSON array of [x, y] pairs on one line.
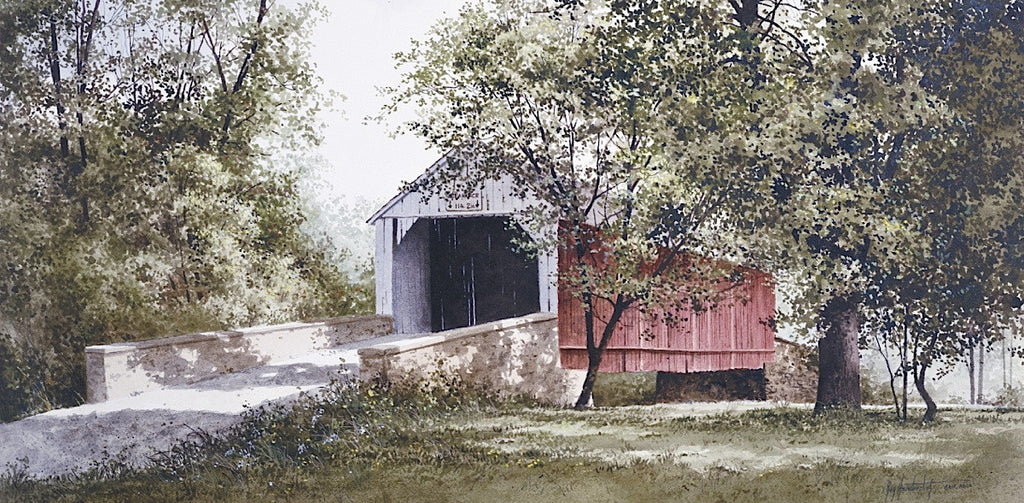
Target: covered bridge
[[449, 262]]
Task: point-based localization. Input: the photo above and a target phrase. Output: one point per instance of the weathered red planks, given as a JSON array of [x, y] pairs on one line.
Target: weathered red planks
[[738, 333]]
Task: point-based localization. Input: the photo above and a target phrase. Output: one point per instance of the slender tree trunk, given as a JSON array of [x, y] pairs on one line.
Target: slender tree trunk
[[838, 355], [588, 382], [74, 168], [892, 374], [892, 387], [930, 408], [895, 397], [593, 356], [970, 371], [595, 353], [921, 363], [981, 370], [54, 60], [86, 32], [904, 364], [1013, 333], [243, 71]]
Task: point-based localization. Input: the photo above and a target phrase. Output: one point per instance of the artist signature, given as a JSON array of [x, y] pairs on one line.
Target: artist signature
[[894, 490]]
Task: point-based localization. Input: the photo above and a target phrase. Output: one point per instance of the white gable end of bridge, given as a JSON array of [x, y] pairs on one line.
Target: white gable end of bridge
[[494, 198]]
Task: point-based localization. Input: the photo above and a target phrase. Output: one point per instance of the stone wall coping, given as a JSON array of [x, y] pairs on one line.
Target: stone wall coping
[[224, 335], [791, 343], [415, 342]]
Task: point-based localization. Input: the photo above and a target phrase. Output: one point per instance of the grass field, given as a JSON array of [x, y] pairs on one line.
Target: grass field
[[365, 444]]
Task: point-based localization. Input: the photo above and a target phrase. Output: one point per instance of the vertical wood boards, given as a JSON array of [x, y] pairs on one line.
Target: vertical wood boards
[[737, 333]]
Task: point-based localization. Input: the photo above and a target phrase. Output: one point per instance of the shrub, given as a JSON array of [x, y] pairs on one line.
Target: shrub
[[356, 423], [1009, 396], [27, 377]]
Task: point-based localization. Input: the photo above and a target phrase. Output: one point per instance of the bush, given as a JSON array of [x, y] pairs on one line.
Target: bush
[[42, 358], [626, 388], [874, 392], [1009, 396], [355, 423], [27, 379]]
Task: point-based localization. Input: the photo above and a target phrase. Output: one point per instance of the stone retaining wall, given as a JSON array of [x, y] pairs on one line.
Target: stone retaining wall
[[122, 369], [517, 357], [793, 376]]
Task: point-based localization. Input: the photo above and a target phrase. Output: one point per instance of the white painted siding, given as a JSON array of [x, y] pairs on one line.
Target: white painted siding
[[548, 265], [410, 283], [382, 270], [495, 198]]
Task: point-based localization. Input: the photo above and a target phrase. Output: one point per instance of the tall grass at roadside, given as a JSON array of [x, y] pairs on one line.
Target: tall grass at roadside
[[359, 425]]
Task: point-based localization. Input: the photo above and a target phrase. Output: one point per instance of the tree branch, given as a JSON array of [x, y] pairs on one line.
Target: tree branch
[[51, 55]]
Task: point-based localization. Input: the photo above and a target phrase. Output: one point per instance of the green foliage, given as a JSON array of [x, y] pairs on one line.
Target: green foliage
[[841, 145], [873, 391], [146, 187], [1009, 397], [633, 123], [626, 388], [355, 422], [953, 182]]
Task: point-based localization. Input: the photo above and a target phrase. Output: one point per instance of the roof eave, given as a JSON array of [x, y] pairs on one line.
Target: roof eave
[[405, 191]]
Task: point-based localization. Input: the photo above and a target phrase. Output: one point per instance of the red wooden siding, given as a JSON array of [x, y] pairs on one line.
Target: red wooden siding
[[736, 334]]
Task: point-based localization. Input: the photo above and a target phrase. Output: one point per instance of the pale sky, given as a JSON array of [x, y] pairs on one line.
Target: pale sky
[[353, 51]]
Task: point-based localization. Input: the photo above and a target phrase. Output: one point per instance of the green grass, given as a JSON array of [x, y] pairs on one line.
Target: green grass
[[447, 443]]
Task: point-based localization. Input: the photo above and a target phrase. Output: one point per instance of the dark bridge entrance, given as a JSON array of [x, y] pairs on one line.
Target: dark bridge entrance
[[478, 274]]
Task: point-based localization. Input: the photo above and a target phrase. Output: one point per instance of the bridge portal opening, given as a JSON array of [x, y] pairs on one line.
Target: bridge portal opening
[[480, 272]]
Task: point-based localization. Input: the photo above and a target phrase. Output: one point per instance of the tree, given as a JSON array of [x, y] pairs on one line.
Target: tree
[[144, 179], [965, 283], [844, 156]]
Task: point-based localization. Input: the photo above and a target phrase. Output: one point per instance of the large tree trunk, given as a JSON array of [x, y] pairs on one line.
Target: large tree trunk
[[838, 355]]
